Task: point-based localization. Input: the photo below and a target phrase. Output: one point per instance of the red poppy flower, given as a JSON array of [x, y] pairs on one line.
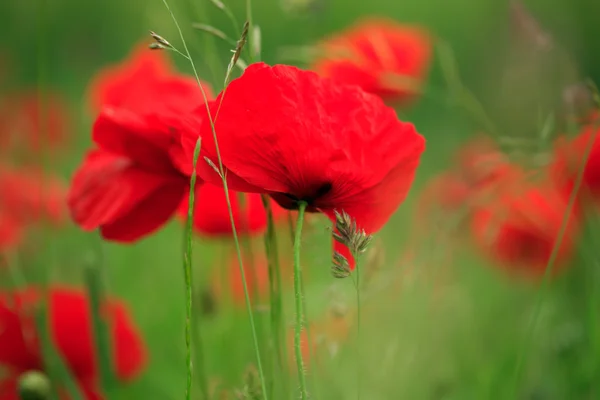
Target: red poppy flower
[[568, 163], [381, 56], [519, 227], [31, 121], [129, 186], [136, 178], [480, 162], [70, 324], [299, 137], [211, 214], [129, 82]]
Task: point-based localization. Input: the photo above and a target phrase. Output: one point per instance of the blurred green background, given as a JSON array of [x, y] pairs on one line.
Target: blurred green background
[[462, 344]]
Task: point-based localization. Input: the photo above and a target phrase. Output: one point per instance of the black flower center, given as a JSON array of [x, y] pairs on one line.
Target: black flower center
[[290, 201]]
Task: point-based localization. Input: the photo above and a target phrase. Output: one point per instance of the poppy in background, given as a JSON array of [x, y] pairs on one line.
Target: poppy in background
[[71, 330], [256, 271], [135, 178], [381, 56], [126, 83], [303, 138], [30, 120], [519, 225], [28, 197], [477, 165], [568, 164]]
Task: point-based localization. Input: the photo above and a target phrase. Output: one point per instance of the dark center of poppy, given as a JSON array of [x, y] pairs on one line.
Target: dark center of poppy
[[290, 201]]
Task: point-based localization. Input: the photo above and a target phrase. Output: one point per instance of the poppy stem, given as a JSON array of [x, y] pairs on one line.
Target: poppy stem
[[298, 297], [187, 270], [358, 360], [276, 301]]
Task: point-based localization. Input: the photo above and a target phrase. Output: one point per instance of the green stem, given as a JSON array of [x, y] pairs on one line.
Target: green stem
[[212, 61], [187, 271], [358, 341], [276, 301], [298, 296], [250, 26]]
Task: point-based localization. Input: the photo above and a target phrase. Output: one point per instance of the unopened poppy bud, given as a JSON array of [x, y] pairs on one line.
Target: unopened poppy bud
[[34, 385], [341, 267]]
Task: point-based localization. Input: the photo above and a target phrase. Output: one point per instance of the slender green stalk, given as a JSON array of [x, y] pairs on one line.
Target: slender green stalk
[[549, 267], [198, 352], [298, 296], [227, 199], [250, 23], [187, 270], [275, 298], [212, 58], [358, 341], [93, 279]]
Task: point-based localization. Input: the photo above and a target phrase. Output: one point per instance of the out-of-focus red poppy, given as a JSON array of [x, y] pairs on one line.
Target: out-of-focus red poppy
[[11, 231], [33, 120], [477, 166], [138, 83], [568, 163], [71, 330], [211, 214], [127, 82], [136, 178], [327, 335], [28, 197], [519, 226], [256, 271], [379, 55], [303, 138]]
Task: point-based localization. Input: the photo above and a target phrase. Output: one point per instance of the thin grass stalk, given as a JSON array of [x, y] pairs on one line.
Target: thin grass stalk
[[187, 269], [227, 198], [93, 279], [212, 59], [357, 269], [250, 26], [275, 298], [549, 267], [299, 301]]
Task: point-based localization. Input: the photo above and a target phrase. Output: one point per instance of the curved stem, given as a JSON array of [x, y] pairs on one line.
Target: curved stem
[[298, 297]]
